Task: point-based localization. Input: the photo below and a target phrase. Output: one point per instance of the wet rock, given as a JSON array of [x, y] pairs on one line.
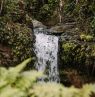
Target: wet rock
[[70, 35], [37, 24], [61, 28]]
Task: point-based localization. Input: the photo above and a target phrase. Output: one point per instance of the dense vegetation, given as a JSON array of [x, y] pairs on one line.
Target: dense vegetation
[[82, 11], [77, 50], [17, 83], [15, 32], [43, 8]]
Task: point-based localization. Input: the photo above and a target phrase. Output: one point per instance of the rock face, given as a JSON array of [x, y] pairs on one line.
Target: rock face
[[61, 28], [37, 24], [77, 58], [77, 52]]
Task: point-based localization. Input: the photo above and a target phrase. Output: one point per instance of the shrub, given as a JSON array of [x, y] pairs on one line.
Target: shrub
[[82, 11], [86, 37], [40, 8], [14, 9], [18, 37], [15, 31], [17, 83], [14, 82]]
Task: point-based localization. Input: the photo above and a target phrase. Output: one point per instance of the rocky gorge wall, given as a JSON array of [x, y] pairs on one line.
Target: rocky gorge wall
[[77, 57], [77, 52]]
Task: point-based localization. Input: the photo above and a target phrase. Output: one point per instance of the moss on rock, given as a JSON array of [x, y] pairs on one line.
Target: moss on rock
[[79, 56], [87, 38]]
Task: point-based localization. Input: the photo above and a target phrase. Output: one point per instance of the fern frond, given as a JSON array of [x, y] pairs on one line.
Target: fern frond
[[27, 79], [13, 73], [9, 91], [87, 90], [21, 66]]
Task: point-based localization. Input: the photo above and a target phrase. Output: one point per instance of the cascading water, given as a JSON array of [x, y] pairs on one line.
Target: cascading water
[[46, 50]]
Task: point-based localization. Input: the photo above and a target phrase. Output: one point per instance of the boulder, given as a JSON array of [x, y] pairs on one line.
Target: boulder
[[61, 28], [38, 24]]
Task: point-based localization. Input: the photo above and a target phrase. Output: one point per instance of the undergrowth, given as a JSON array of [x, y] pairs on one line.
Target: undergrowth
[[14, 82]]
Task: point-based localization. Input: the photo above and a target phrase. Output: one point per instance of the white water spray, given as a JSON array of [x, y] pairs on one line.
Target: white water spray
[[46, 50]]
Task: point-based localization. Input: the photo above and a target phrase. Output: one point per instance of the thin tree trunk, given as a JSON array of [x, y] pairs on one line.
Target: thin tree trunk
[[77, 2], [61, 3], [1, 6]]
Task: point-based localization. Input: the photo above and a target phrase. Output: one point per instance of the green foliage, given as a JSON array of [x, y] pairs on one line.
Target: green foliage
[[14, 82], [82, 11], [69, 6], [83, 8], [86, 37], [41, 9], [18, 37], [16, 11], [17, 83], [15, 31], [13, 10], [68, 46], [57, 90], [68, 52], [80, 57]]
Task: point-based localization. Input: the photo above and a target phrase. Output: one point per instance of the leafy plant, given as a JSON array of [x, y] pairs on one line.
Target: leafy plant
[[86, 37], [17, 83], [41, 8], [18, 37], [15, 31], [82, 11], [14, 82]]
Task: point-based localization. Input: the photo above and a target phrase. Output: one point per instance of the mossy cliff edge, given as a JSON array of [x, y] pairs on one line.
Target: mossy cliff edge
[[77, 58]]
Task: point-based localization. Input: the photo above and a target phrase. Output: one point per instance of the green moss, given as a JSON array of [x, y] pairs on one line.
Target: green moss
[[87, 38], [68, 46], [14, 9], [78, 56], [68, 52]]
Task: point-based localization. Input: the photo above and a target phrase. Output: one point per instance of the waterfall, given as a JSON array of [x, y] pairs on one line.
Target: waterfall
[[46, 50]]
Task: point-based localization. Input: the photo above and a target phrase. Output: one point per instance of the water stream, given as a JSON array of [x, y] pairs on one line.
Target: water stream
[[46, 50]]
